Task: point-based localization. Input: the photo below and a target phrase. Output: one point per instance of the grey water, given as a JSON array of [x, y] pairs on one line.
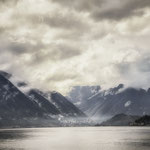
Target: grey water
[[76, 138]]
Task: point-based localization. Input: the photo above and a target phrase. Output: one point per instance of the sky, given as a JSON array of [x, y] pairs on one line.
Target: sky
[[57, 44]]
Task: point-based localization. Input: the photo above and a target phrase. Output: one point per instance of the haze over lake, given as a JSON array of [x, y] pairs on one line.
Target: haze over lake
[[90, 138]]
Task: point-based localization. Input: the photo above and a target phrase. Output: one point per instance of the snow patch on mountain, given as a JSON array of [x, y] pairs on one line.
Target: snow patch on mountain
[[127, 104], [77, 103]]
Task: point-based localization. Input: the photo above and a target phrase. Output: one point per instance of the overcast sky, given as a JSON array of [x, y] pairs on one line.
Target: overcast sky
[[57, 44]]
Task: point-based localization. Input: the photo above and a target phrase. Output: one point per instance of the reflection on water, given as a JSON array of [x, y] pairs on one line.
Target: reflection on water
[[93, 138]]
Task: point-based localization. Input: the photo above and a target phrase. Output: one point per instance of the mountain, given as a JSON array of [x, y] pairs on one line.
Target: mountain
[[64, 106], [46, 106], [13, 103], [33, 108], [117, 100], [142, 121], [79, 94], [120, 120], [55, 103]]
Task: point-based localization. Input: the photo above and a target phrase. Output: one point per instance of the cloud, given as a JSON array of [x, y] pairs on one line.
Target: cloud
[[57, 52], [5, 4], [62, 43], [8, 1], [123, 10], [136, 69], [69, 21], [61, 77], [81, 5], [108, 10]]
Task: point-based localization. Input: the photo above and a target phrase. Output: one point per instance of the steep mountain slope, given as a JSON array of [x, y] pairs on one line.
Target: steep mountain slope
[[65, 107], [46, 106], [117, 100], [34, 108], [55, 103], [13, 103]]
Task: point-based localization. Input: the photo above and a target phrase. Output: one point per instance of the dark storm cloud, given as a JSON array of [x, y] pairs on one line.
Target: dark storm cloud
[[66, 22], [8, 2], [68, 51], [17, 48], [58, 20], [106, 9], [68, 25], [129, 9], [62, 43], [55, 52], [81, 5], [2, 30], [40, 52]]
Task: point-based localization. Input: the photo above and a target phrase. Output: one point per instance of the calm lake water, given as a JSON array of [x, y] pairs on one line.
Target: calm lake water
[[85, 138]]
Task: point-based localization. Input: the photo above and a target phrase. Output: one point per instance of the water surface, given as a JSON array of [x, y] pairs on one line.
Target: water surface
[[85, 138]]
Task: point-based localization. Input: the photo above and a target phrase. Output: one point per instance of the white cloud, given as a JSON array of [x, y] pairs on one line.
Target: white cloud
[[58, 45]]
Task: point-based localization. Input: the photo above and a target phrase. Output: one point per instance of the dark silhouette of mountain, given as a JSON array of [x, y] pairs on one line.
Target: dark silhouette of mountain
[[33, 108], [46, 106], [61, 103], [14, 104], [55, 103], [142, 121], [120, 120], [117, 100], [64, 106]]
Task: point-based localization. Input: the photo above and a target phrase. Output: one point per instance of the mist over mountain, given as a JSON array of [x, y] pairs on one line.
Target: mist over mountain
[[79, 94], [55, 103], [107, 103], [5, 74], [39, 108], [34, 107], [14, 103], [46, 106]]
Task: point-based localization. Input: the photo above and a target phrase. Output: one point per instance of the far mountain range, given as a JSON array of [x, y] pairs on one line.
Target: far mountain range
[[82, 106], [34, 106], [101, 104]]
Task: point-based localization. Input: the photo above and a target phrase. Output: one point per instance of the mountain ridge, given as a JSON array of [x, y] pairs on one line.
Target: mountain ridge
[[20, 108], [108, 103]]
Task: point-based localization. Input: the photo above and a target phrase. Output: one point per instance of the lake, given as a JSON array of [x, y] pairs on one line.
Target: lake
[[76, 138]]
